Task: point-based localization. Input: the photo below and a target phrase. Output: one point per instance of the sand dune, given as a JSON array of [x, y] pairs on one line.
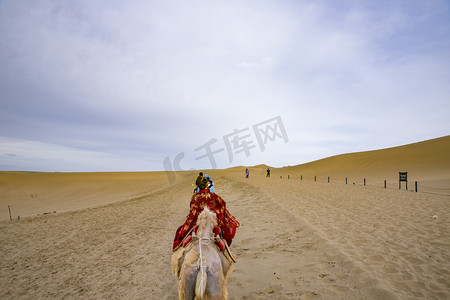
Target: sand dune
[[431, 158], [111, 235], [426, 162]]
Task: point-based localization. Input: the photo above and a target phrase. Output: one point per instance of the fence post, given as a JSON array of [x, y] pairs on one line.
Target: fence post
[[314, 178], [301, 177], [345, 180], [385, 184], [328, 179], [364, 181], [9, 209], [416, 186]]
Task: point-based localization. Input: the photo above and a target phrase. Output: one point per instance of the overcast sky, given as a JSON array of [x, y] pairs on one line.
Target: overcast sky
[[153, 85]]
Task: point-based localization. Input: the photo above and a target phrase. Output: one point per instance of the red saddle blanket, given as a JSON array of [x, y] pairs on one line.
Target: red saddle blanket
[[227, 222]]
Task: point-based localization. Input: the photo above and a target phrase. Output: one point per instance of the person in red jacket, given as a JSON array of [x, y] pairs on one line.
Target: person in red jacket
[[227, 222]]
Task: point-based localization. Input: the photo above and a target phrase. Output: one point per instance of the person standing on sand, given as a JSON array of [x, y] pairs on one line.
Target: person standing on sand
[[246, 173], [226, 221], [268, 172]]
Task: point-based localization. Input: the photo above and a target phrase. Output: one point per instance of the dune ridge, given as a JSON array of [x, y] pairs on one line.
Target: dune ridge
[[430, 158], [426, 162]]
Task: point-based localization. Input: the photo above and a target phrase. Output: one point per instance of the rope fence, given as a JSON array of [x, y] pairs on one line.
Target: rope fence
[[391, 184]]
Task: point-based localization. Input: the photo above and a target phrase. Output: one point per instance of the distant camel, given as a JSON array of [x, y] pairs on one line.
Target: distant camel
[[200, 266]]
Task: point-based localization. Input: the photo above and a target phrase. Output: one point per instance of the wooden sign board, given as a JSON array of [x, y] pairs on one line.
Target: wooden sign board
[[403, 176]]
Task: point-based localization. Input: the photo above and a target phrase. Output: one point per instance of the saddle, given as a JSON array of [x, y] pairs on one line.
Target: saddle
[[219, 241]]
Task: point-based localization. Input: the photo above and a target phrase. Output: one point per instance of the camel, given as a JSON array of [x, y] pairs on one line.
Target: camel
[[200, 267]]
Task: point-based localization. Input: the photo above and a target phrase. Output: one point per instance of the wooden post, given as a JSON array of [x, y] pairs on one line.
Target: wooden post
[[289, 176], [345, 180], [9, 209], [385, 184], [364, 181], [314, 178], [301, 177], [328, 179], [416, 186]]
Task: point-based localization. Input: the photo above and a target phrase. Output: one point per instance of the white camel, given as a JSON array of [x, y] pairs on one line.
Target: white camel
[[201, 268]]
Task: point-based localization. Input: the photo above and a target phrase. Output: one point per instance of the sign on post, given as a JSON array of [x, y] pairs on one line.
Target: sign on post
[[403, 176]]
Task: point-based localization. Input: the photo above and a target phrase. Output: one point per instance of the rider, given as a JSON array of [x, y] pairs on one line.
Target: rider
[[215, 203], [210, 186], [199, 178]]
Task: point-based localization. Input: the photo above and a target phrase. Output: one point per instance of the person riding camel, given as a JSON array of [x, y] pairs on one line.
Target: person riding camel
[[199, 178], [225, 221], [210, 186]]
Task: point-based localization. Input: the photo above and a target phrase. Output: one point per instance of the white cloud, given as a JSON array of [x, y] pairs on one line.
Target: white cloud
[[27, 155], [154, 77]]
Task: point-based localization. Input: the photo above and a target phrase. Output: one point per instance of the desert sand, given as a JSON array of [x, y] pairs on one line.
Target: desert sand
[[109, 235]]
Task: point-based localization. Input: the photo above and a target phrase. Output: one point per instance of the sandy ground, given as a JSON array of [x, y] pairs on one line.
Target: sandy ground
[[298, 239], [31, 193]]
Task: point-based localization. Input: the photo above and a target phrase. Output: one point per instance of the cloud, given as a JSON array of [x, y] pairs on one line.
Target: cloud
[[147, 80], [38, 156]]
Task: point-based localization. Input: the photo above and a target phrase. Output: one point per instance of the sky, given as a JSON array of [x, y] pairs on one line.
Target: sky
[[176, 85]]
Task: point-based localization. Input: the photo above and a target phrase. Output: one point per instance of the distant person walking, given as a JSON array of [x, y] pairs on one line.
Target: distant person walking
[[246, 173], [268, 172]]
